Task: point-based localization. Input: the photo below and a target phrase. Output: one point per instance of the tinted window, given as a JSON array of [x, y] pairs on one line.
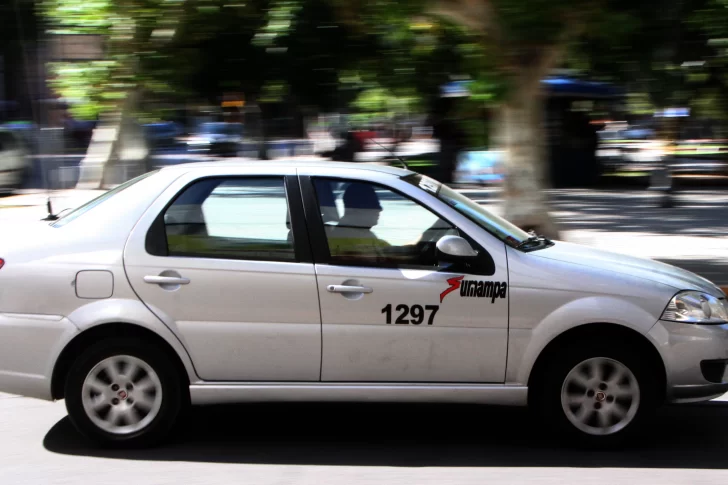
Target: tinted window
[[370, 224], [241, 218]]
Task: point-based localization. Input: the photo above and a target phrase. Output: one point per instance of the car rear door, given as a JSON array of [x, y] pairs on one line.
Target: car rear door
[[390, 312], [224, 260]]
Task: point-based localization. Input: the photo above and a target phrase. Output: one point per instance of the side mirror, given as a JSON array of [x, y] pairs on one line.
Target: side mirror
[[455, 249]]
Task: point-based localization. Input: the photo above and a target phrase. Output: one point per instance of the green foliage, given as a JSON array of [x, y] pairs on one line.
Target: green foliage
[[322, 53], [132, 31], [74, 17], [386, 57], [82, 86]]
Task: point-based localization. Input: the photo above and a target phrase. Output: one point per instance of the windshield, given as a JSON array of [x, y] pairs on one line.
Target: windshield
[[499, 227], [79, 211]]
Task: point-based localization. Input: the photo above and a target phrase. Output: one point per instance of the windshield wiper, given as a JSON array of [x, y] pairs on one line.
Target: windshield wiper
[[528, 241], [534, 241]]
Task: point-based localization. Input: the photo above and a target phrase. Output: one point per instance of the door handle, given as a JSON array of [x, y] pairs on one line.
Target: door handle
[[348, 289], [167, 280]]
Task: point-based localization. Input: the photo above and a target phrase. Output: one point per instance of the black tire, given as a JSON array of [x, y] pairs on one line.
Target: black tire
[[172, 402], [545, 399]]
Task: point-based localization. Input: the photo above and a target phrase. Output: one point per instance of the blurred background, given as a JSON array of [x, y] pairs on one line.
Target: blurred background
[[601, 117]]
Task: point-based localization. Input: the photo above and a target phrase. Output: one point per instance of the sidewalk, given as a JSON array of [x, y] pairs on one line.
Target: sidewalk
[[60, 199], [30, 205]]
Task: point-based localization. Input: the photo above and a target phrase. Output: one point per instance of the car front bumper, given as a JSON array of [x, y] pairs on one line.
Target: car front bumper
[[695, 358], [29, 347]]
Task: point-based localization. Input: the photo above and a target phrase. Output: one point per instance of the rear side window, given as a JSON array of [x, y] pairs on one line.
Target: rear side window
[[232, 218]]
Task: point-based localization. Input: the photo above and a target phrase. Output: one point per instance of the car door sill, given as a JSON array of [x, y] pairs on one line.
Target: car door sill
[[232, 392]]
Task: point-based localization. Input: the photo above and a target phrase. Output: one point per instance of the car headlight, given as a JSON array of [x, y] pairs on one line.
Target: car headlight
[[696, 307]]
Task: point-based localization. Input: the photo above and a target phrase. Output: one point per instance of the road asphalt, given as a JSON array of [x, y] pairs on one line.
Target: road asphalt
[[352, 444]]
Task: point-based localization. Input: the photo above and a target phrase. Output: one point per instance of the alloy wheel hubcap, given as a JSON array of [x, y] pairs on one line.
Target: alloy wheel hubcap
[[122, 394], [600, 396]]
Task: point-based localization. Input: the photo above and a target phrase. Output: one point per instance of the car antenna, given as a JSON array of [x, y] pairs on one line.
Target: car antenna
[[50, 216], [404, 164]]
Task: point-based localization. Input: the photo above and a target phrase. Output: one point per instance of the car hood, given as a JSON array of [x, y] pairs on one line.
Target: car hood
[[648, 269]]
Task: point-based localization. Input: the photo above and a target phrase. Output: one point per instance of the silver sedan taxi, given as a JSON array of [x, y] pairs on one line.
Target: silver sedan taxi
[[319, 281]]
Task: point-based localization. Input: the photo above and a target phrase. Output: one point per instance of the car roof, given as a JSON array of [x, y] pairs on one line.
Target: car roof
[[289, 163]]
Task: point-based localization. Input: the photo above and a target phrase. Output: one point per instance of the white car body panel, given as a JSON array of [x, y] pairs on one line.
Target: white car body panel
[[462, 346], [553, 295], [231, 392], [31, 344], [240, 300], [240, 320], [680, 345], [239, 340], [45, 261], [465, 345], [131, 311]]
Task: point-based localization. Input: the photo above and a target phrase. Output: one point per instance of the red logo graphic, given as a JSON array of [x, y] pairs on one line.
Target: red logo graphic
[[454, 285]]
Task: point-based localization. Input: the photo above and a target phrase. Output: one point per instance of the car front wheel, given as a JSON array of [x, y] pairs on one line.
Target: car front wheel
[[123, 393], [597, 397]]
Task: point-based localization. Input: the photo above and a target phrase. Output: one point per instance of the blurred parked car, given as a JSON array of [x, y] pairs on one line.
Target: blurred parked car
[[163, 134], [700, 150], [217, 138], [629, 148], [25, 131], [697, 150], [14, 162], [479, 167]]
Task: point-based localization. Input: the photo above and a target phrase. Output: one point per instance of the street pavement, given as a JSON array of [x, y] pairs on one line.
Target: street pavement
[[350, 444]]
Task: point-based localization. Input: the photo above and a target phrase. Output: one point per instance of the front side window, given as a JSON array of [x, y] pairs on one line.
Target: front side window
[[235, 218], [368, 224]]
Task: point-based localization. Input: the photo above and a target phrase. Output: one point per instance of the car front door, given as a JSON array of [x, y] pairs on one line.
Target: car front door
[[390, 311], [225, 261]]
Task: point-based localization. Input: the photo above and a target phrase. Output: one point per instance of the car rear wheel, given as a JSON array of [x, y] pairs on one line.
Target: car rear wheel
[[599, 396], [123, 393]]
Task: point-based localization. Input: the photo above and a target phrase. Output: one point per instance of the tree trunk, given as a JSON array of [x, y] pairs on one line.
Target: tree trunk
[[118, 140], [98, 153], [520, 133]]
